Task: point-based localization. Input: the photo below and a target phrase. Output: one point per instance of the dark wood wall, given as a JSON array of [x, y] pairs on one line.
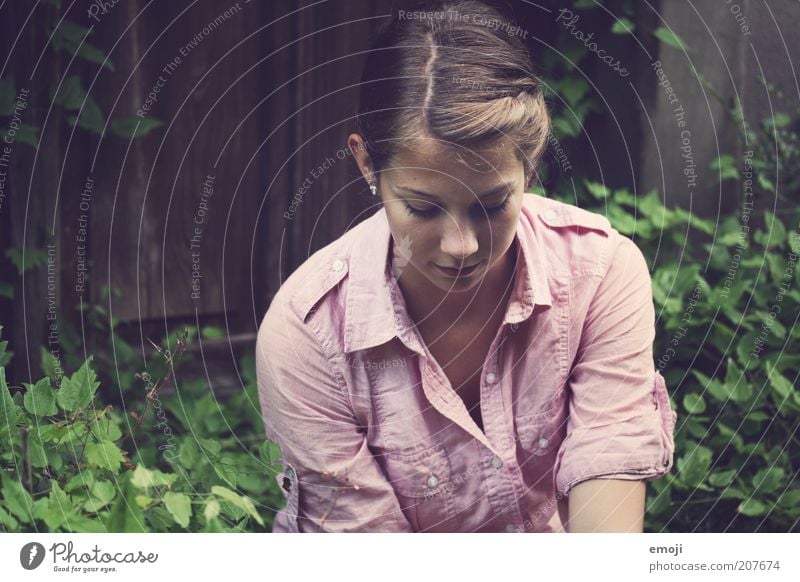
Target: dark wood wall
[[257, 95]]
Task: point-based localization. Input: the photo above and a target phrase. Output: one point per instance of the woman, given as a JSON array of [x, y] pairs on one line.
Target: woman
[[472, 357]]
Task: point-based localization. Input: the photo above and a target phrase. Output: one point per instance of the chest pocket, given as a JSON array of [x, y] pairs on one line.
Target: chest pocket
[[421, 479], [541, 434]]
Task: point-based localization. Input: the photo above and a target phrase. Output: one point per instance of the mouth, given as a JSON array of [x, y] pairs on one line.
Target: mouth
[[458, 273]]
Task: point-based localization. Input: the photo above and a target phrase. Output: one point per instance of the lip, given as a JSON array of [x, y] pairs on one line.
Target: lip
[[456, 273]]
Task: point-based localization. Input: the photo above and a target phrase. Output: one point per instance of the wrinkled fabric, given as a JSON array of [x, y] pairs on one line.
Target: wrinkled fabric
[[374, 438]]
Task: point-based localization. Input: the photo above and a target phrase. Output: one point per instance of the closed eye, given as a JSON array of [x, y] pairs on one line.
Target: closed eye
[[430, 213]]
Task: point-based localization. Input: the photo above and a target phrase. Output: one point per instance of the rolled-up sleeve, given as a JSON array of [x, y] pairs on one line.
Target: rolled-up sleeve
[[331, 480], [620, 423]]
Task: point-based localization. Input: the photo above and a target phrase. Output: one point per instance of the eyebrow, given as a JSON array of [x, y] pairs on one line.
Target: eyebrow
[[495, 190]]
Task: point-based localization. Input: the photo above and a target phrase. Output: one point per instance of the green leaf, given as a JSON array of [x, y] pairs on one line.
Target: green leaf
[[60, 506], [693, 466], [25, 134], [670, 38], [70, 94], [725, 165], [73, 37], [8, 97], [16, 499], [143, 501], [722, 478], [131, 127], [125, 514], [624, 222], [6, 290], [106, 429], [50, 366], [77, 392], [36, 452], [26, 259], [768, 479], [211, 510], [180, 506], [40, 398], [89, 117], [104, 491], [782, 386], [777, 121], [80, 480], [752, 507], [270, 452], [694, 403], [188, 453], [226, 472], [93, 54], [599, 191], [623, 26], [8, 410], [736, 384], [566, 126], [573, 89], [777, 232], [8, 520], [143, 478], [243, 503], [71, 31], [105, 455], [765, 183], [210, 332]]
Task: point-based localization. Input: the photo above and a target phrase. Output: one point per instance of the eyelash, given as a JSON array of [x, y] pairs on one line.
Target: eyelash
[[430, 213]]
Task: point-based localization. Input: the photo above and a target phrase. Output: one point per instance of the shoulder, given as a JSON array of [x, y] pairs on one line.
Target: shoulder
[[574, 239], [559, 215], [317, 285]]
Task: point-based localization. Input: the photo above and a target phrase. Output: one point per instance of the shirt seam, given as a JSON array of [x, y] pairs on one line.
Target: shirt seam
[[330, 356]]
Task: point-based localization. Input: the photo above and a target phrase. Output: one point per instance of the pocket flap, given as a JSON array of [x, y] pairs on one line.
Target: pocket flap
[[419, 473]]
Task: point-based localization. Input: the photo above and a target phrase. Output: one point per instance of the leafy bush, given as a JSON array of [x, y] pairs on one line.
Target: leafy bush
[[727, 307], [71, 463]]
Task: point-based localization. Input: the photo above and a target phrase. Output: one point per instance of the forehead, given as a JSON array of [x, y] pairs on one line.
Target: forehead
[[451, 160]]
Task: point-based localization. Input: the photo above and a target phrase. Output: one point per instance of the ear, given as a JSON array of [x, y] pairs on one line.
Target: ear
[[359, 151]]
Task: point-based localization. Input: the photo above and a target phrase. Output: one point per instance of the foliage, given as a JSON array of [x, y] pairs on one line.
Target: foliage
[[720, 290], [71, 463]]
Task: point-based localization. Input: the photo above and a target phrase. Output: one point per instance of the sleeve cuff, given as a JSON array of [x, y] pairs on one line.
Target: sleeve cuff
[[641, 448]]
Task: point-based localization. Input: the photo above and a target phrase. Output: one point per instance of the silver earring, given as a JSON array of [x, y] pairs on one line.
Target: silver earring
[[373, 188]]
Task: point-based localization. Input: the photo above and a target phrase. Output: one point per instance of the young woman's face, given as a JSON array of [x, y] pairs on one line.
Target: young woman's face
[[453, 214]]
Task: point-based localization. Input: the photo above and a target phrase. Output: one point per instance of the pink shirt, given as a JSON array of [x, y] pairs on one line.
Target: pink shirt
[[374, 438]]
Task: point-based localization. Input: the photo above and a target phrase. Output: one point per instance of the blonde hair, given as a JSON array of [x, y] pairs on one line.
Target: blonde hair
[[456, 72]]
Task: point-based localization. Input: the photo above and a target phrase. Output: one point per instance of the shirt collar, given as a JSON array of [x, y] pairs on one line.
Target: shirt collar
[[375, 311]]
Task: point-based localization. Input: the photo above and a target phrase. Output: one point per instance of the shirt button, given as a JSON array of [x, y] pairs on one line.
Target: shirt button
[[338, 265], [490, 378], [543, 442], [510, 528], [432, 482], [497, 462]]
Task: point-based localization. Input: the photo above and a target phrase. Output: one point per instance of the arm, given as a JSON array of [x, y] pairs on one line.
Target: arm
[[335, 483], [606, 505], [620, 425]]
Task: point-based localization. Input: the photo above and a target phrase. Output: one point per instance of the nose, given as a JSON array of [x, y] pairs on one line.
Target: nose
[[459, 241]]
